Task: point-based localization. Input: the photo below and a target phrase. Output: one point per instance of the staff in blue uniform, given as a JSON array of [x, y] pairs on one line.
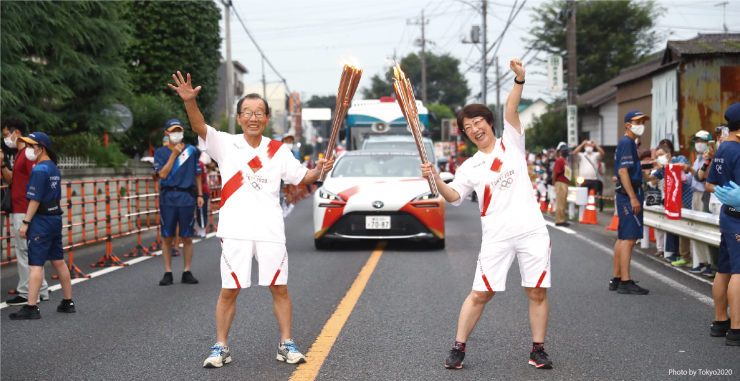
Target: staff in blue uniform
[[723, 177], [42, 225], [628, 201], [176, 164]]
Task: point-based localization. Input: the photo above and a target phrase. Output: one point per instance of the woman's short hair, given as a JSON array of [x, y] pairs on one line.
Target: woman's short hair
[[474, 111]]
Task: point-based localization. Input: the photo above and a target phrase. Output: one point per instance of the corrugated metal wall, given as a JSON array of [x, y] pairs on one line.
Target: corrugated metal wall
[[707, 87], [665, 108]]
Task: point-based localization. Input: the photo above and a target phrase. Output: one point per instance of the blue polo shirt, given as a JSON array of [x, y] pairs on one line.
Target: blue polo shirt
[[725, 168], [44, 185], [182, 175], [626, 156]]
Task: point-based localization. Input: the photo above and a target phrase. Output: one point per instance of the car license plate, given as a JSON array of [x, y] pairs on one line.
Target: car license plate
[[377, 222]]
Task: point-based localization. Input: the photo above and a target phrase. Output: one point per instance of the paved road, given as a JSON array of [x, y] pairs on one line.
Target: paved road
[[401, 327]]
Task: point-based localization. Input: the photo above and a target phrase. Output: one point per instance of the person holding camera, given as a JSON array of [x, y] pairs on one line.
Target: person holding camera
[[590, 167]]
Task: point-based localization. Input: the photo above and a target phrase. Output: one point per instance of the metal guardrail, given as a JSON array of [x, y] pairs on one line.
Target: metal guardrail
[[699, 226]]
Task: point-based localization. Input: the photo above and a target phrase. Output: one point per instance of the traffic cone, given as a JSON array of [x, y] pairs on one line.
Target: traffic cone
[[543, 203], [589, 216], [549, 207], [615, 219], [534, 190], [652, 235]]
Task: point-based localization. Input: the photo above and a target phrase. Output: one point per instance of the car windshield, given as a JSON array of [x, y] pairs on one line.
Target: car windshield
[[398, 146], [378, 165]]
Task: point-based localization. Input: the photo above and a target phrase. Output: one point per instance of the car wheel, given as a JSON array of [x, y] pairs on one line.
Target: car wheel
[[321, 244], [438, 244]]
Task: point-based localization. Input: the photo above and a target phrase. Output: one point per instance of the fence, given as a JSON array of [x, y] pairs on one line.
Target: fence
[[102, 210], [67, 162]]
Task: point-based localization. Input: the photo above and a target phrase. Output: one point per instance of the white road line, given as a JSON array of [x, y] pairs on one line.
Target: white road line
[[701, 297], [564, 229], [107, 270]]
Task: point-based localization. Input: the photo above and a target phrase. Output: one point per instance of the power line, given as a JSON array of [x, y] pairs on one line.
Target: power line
[[259, 49]]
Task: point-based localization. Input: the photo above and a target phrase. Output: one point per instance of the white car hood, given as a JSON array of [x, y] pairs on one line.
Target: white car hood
[[361, 192]]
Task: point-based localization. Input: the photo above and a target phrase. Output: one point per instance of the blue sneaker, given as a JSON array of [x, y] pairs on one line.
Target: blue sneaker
[[698, 269], [708, 272], [672, 258], [219, 356], [289, 353]]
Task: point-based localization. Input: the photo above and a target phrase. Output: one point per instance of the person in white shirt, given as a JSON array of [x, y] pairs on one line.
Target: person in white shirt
[[250, 217], [591, 168], [512, 222]]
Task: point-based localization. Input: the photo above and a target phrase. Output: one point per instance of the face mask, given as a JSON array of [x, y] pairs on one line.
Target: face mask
[[176, 137], [663, 160], [31, 155], [289, 145], [638, 129], [10, 142], [700, 147], [589, 149], [538, 162]]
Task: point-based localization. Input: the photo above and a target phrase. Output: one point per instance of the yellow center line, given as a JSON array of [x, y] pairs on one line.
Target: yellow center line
[[322, 346]]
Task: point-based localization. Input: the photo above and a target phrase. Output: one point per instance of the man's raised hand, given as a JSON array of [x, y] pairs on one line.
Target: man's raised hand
[[184, 88]]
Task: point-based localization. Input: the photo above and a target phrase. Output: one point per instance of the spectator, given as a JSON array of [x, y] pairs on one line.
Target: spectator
[[700, 250], [590, 167], [42, 225], [181, 191], [201, 214], [562, 174], [13, 131], [686, 198]]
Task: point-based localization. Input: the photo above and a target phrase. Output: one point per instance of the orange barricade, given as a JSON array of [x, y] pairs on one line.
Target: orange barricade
[[134, 198]]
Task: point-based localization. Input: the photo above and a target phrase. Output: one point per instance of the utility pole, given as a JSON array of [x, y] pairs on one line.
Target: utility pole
[[422, 42], [229, 70], [572, 58], [499, 120], [264, 84], [484, 80]]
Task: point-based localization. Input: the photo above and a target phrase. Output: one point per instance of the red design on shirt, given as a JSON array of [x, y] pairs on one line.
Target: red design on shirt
[[502, 145], [496, 166], [486, 199], [272, 148], [231, 186], [255, 164]]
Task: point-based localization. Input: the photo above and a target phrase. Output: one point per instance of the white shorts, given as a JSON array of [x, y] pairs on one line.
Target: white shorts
[[236, 263], [533, 251]]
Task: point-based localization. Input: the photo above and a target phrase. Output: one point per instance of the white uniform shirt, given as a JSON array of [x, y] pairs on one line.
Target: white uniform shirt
[[585, 169], [505, 196], [250, 201]]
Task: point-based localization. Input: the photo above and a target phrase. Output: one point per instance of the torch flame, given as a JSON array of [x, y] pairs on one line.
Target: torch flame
[[351, 62]]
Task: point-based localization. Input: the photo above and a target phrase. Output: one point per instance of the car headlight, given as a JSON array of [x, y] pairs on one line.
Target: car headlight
[[326, 195], [423, 197]]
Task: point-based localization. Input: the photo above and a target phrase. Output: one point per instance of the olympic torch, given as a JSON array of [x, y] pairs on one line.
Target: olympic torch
[[407, 102], [351, 75]]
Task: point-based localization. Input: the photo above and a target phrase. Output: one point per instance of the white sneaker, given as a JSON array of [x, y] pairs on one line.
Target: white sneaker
[[289, 353], [219, 356]]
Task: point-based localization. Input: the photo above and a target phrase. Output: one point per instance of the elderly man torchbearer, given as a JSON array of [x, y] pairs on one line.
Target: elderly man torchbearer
[[250, 219]]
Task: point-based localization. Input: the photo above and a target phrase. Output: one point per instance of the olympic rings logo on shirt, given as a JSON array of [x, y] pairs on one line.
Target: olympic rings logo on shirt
[[256, 186], [506, 184]]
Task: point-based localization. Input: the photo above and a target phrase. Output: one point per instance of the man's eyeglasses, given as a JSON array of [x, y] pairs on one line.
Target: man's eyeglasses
[[248, 114]]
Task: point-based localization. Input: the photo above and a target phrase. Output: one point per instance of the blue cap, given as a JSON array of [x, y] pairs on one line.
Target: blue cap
[[634, 114], [172, 123], [732, 115], [38, 138]]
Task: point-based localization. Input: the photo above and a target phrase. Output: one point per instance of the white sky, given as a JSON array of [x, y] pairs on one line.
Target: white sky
[[305, 39]]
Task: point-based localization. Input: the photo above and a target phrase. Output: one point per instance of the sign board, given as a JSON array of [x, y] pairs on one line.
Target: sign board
[[454, 130], [124, 117], [316, 114], [572, 126], [555, 73]]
